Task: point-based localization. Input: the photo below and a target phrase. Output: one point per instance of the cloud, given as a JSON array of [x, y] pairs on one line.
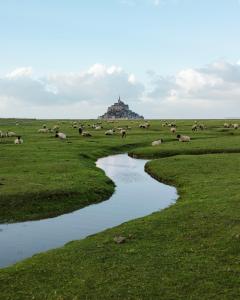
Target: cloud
[[212, 91], [20, 72], [93, 89]]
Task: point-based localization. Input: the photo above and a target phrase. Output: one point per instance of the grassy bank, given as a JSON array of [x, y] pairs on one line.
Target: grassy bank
[[46, 177], [188, 251]]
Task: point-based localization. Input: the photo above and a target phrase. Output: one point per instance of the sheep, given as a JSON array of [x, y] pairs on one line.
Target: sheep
[[44, 126], [157, 143], [61, 135], [194, 127], [226, 125], [123, 133], [235, 126], [18, 140], [10, 134], [80, 130], [86, 134], [98, 127], [43, 130], [173, 129], [109, 132], [144, 125], [183, 138], [201, 126]]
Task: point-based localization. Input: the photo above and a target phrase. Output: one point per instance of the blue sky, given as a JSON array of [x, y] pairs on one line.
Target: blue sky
[[149, 39]]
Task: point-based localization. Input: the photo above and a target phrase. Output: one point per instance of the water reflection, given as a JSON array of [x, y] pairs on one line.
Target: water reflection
[[136, 195]]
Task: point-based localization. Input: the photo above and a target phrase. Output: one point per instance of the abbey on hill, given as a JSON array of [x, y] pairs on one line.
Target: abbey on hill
[[120, 110]]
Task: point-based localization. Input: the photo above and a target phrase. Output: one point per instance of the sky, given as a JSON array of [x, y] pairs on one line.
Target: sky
[[166, 58]]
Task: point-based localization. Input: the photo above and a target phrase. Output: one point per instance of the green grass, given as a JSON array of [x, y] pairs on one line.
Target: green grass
[[189, 251]]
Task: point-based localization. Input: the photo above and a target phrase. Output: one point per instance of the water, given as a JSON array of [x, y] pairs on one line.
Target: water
[[136, 195]]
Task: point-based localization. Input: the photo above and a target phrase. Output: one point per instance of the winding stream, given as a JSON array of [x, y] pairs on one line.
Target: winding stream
[[136, 195]]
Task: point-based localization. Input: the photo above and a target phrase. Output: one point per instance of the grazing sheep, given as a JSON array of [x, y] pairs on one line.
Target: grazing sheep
[[109, 132], [44, 126], [43, 130], [157, 143], [10, 134], [123, 133], [194, 127], [173, 129], [18, 140], [201, 126], [86, 134], [183, 138], [61, 135], [226, 125], [144, 125], [98, 127], [235, 126]]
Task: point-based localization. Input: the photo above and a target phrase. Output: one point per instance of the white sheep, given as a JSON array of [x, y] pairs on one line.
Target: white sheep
[[10, 134], [144, 125], [86, 134], [18, 140], [157, 143], [109, 132], [183, 138], [173, 129], [194, 127], [226, 125], [61, 135], [43, 130], [98, 127], [235, 126]]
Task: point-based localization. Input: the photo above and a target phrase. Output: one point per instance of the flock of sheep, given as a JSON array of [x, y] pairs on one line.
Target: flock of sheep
[[10, 134], [122, 131]]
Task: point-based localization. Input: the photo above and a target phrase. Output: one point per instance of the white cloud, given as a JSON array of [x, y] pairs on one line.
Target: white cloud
[[208, 92], [94, 89], [20, 72], [212, 91]]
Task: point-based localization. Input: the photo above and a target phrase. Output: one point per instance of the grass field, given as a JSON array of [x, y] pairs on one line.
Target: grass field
[[188, 251]]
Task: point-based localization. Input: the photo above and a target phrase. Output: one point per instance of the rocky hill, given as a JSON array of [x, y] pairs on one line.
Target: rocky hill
[[120, 110]]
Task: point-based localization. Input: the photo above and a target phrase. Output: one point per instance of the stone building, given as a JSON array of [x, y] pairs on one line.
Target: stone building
[[120, 110]]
